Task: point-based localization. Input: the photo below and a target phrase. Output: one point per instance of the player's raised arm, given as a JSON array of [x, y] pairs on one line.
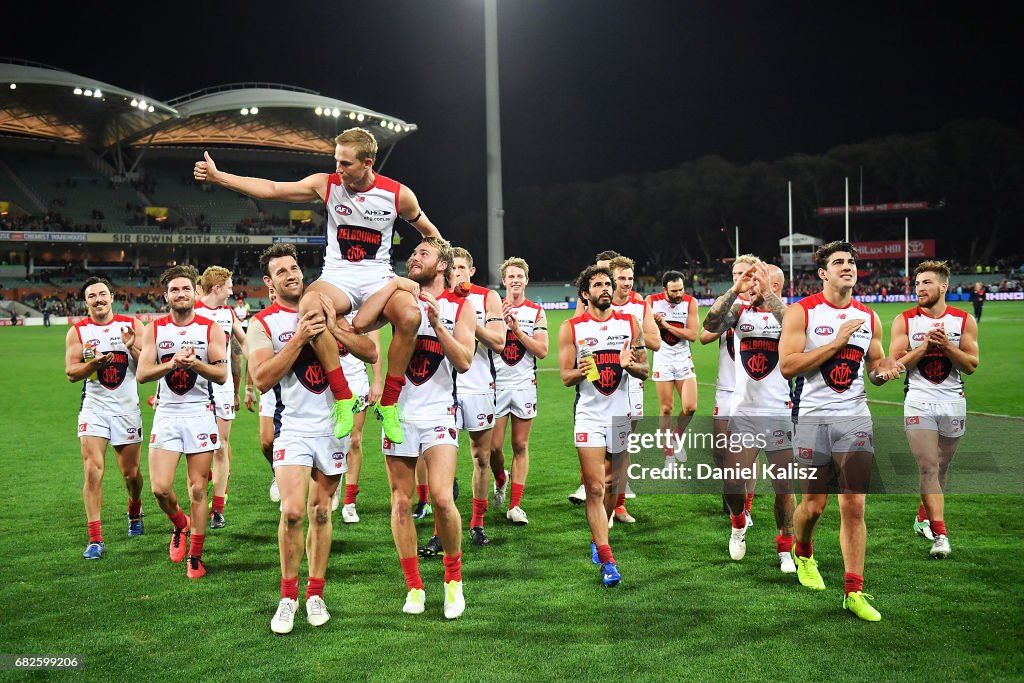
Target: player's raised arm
[[310, 189], [536, 343], [409, 210], [651, 336], [492, 333]]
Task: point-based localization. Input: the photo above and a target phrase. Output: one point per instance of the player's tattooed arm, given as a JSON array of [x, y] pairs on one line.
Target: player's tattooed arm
[[724, 312], [774, 304]]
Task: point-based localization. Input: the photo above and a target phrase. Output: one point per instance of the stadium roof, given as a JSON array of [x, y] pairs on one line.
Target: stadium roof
[[42, 101]]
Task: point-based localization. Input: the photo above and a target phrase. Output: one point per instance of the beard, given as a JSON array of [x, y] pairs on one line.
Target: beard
[[601, 304]]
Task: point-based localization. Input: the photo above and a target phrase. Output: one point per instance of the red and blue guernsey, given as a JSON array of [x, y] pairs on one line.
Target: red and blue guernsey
[[836, 388]]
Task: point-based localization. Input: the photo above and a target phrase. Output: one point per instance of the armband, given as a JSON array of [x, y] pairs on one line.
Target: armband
[[495, 320], [410, 221], [222, 361]]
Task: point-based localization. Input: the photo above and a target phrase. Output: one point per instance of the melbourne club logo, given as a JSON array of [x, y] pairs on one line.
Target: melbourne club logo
[[426, 359], [759, 356], [310, 373], [841, 370]]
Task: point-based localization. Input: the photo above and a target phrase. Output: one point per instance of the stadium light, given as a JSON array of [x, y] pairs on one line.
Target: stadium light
[[14, 86], [319, 111], [352, 115], [151, 109], [383, 124], [360, 117], [254, 111], [335, 112], [245, 111], [78, 91], [135, 102], [97, 93], [88, 93], [142, 105]]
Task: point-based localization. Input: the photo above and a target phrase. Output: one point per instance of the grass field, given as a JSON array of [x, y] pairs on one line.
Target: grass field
[[536, 610]]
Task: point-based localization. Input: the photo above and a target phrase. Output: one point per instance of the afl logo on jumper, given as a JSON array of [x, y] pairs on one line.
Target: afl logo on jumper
[[285, 337], [840, 371], [309, 372], [342, 210], [823, 331], [426, 359], [164, 345], [179, 380]]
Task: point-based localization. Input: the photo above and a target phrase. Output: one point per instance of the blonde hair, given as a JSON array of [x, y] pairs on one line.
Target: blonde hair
[[620, 262], [516, 262], [361, 140], [213, 276], [748, 259], [460, 252]]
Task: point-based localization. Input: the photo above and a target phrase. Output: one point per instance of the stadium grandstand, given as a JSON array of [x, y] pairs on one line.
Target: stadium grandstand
[[96, 178]]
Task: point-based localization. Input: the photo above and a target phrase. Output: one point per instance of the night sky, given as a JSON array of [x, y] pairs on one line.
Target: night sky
[[589, 88]]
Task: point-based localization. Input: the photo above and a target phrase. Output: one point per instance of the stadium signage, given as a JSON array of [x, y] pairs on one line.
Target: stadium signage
[[136, 238], [43, 236], [893, 249], [885, 207]]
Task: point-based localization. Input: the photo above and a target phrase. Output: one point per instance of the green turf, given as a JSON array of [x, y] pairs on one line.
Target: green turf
[[535, 608]]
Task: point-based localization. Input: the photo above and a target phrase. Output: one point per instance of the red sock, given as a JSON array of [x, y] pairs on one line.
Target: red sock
[[750, 499], [178, 519], [738, 521], [479, 508], [620, 500], [853, 583], [804, 549], [290, 588], [195, 545], [134, 507], [939, 527], [218, 504], [392, 388], [784, 544], [351, 491], [517, 495], [421, 493], [922, 514], [95, 532], [453, 568], [604, 554], [411, 568], [314, 587], [339, 385], [499, 479]]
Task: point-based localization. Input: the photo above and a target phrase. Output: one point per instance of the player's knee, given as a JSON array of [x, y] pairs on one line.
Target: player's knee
[[520, 448], [322, 513], [197, 490], [310, 301], [852, 510], [407, 318], [595, 489], [666, 409], [401, 503], [812, 508], [688, 408], [442, 504], [293, 513], [482, 459], [160, 492]]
